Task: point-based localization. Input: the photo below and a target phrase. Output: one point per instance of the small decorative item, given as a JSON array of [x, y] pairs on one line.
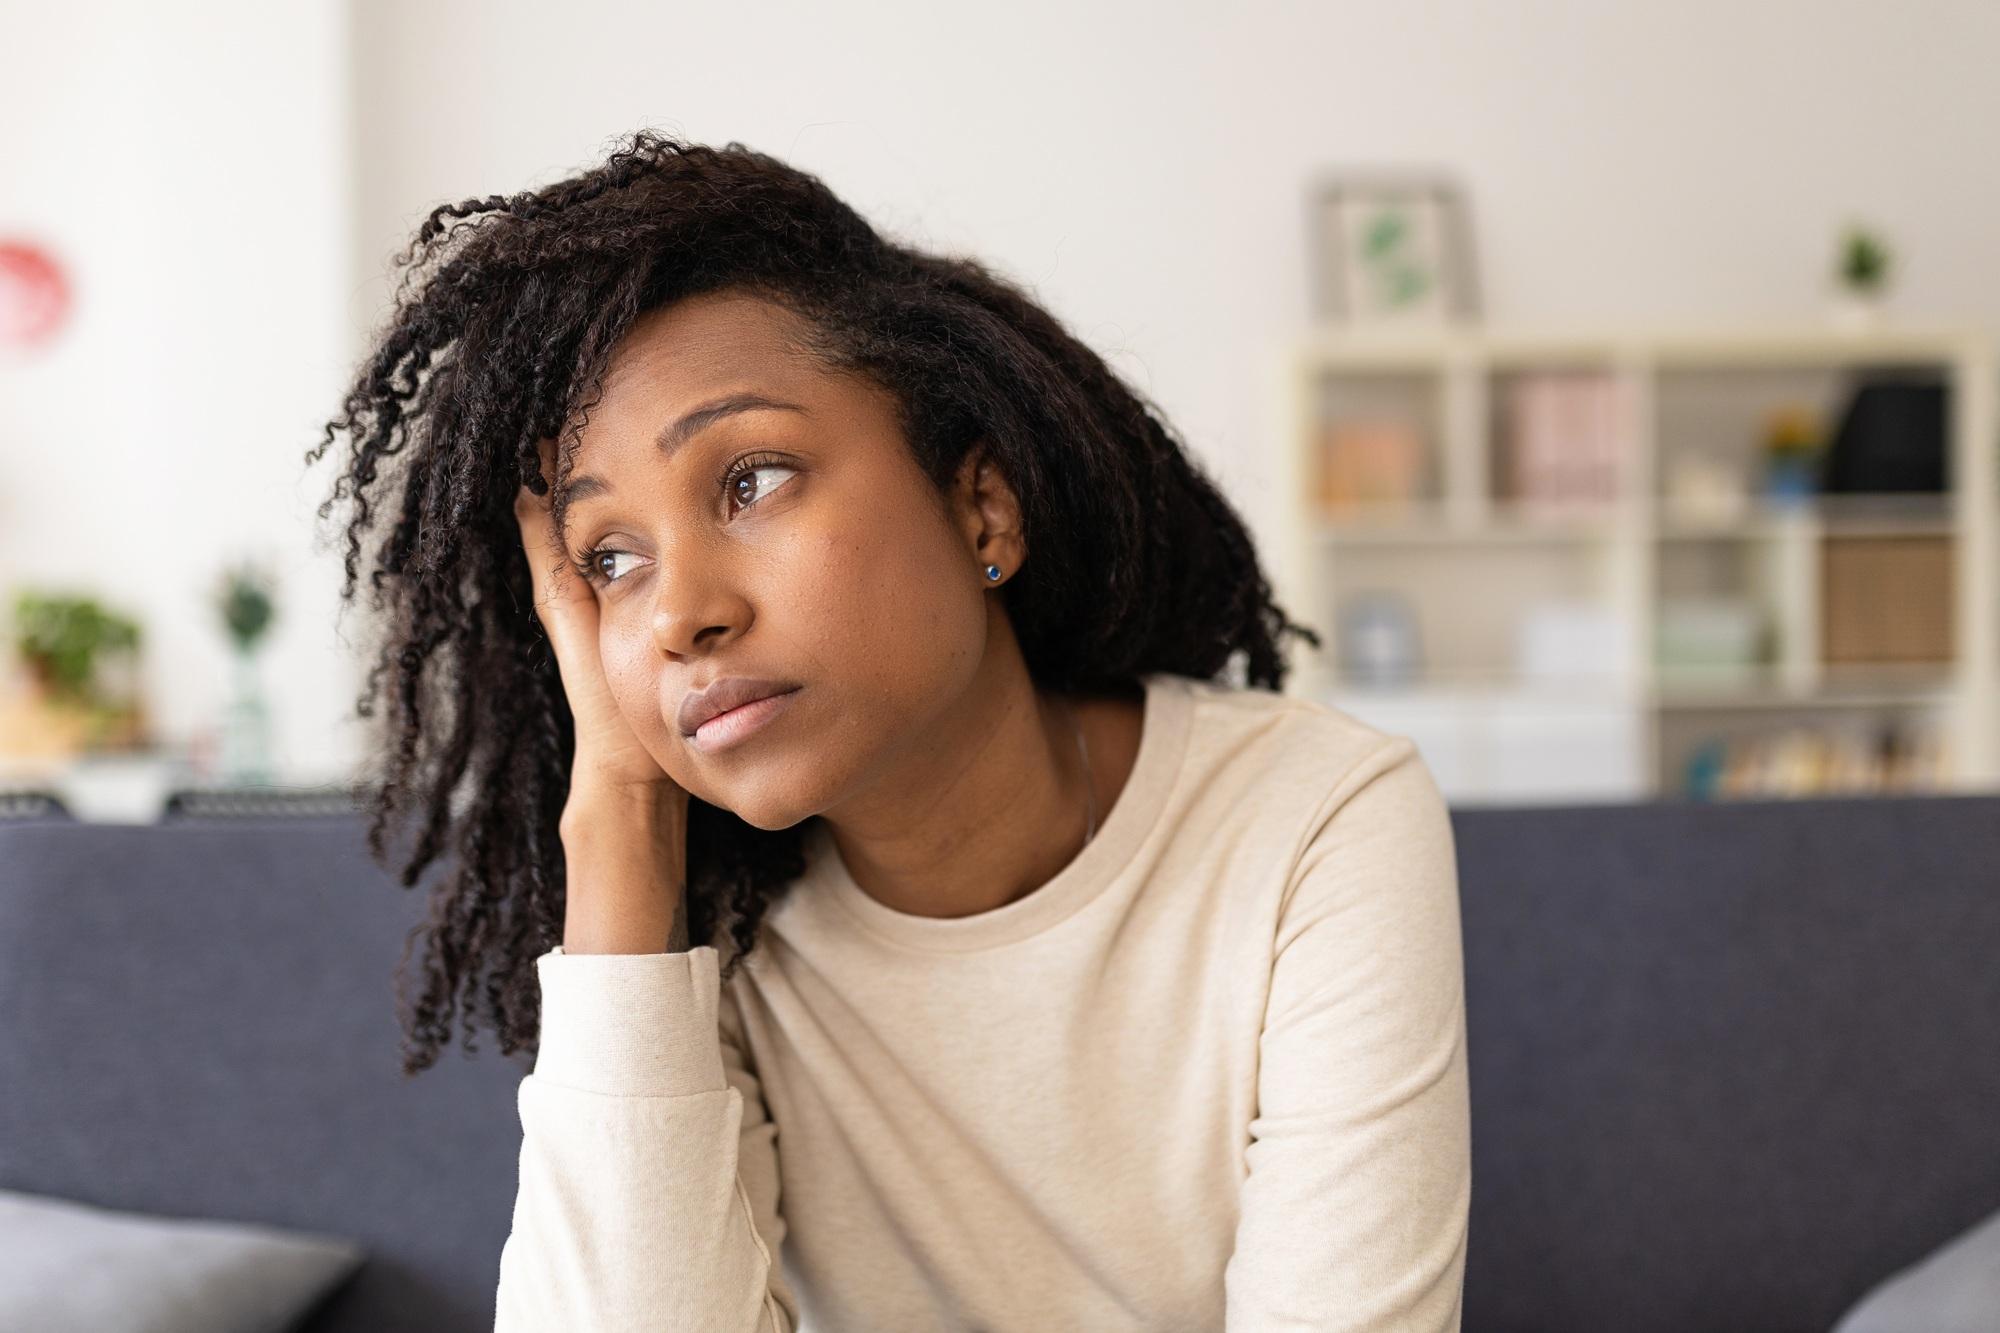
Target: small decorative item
[[1379, 640], [1713, 639], [82, 685], [1891, 435], [246, 599], [1391, 249], [1703, 487], [34, 295], [1862, 269], [1368, 465], [1793, 438], [1558, 641], [1564, 440]]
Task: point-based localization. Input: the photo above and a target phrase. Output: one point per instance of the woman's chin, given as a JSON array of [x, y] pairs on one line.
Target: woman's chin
[[766, 810]]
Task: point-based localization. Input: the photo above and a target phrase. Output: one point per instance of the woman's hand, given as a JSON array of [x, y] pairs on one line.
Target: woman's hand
[[624, 821], [609, 755]]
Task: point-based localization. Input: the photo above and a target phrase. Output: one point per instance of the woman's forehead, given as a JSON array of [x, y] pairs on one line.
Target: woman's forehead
[[690, 346]]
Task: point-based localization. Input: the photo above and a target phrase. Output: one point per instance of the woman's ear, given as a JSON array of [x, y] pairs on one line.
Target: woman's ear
[[989, 512]]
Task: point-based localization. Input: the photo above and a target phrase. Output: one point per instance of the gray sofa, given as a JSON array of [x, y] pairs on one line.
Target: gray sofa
[[1731, 1064]]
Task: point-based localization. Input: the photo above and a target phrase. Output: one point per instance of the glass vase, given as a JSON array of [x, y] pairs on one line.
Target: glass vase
[[245, 753]]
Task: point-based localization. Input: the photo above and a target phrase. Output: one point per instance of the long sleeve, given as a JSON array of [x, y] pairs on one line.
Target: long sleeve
[[648, 1196], [1354, 1212]]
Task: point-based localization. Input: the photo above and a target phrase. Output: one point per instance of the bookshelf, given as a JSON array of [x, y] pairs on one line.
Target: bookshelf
[[1644, 609]]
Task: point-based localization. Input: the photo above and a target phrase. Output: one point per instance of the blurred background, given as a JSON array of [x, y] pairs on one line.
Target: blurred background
[[1612, 387]]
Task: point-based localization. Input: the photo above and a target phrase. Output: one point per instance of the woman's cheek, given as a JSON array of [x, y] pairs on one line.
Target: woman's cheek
[[629, 672]]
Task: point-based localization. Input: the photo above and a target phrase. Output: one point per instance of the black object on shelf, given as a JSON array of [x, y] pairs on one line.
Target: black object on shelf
[[1891, 436]]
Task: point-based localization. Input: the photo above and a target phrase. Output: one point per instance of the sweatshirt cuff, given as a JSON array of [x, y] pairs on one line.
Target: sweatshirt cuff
[[631, 1024]]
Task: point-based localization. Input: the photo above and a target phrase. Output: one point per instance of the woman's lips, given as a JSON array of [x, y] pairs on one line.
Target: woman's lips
[[727, 729]]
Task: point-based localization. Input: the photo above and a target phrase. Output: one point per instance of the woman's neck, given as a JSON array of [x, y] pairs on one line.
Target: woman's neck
[[996, 808]]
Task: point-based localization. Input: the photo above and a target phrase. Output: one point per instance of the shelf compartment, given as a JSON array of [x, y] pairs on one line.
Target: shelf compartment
[[1471, 618], [1559, 437], [1774, 752], [1377, 444], [1711, 427]]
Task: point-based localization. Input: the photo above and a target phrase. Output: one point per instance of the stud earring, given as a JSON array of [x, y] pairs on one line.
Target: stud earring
[[993, 573]]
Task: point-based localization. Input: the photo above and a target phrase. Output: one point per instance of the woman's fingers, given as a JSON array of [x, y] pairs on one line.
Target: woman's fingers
[[565, 605], [607, 750], [563, 601]]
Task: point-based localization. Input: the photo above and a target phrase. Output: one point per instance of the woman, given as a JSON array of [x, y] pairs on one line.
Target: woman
[[815, 656]]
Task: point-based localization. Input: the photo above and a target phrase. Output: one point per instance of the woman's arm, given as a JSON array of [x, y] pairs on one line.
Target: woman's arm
[[648, 1172], [1354, 1212], [630, 1213]]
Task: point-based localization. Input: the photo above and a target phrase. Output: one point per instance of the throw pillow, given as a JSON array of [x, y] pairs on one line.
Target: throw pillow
[[71, 1267], [1953, 1289]]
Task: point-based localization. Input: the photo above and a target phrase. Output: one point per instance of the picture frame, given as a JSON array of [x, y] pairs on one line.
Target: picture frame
[[1391, 248]]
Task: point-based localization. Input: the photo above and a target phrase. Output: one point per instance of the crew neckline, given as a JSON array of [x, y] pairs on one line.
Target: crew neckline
[[1163, 733]]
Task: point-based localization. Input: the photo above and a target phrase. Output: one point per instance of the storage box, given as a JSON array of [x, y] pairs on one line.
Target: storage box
[[1886, 599]]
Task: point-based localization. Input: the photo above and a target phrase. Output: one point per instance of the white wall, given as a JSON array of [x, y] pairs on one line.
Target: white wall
[[1139, 164], [189, 164]]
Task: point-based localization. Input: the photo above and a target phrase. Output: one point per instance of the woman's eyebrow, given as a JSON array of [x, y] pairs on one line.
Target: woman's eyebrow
[[673, 436], [677, 433]]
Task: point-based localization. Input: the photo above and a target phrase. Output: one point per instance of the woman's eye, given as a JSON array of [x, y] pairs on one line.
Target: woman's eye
[[600, 564], [743, 488]]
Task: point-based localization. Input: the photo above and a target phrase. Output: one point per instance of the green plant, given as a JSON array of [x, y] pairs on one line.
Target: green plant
[[1791, 432], [247, 600], [1864, 260], [61, 636]]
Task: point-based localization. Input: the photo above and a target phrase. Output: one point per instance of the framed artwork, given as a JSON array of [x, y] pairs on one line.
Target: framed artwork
[[1390, 248]]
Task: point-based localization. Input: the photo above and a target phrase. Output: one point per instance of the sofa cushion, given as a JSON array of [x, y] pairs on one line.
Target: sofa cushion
[[1953, 1289], [70, 1267]]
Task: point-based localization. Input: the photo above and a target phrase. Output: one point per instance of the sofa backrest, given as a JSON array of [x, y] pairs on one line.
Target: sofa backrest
[[198, 1019], [1730, 1064]]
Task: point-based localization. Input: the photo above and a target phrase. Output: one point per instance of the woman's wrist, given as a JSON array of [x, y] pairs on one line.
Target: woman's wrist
[[625, 866], [594, 810]]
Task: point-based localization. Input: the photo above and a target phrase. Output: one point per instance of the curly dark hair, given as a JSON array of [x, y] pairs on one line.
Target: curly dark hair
[[1140, 563]]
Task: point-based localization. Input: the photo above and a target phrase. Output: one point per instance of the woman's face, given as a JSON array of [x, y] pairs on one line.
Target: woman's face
[[825, 558]]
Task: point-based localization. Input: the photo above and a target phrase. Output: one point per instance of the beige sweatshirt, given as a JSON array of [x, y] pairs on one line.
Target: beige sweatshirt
[[1212, 1075]]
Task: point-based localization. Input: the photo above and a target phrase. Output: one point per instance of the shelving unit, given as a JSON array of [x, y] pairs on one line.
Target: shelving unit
[[1501, 722]]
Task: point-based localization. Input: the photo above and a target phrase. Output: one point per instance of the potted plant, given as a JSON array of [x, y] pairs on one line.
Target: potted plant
[[1792, 440], [1862, 269], [79, 657]]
